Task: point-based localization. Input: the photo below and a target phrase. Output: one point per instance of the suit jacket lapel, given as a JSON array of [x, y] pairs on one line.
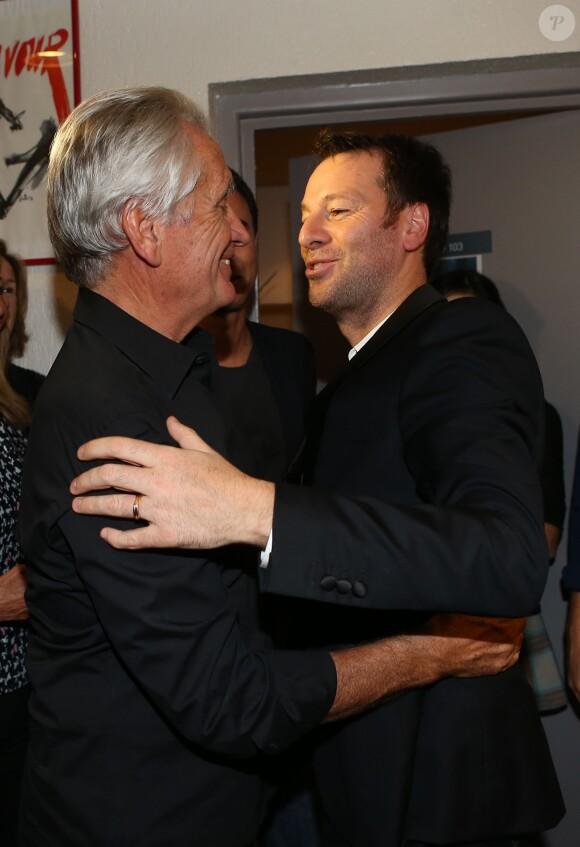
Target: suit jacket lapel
[[419, 300], [422, 298]]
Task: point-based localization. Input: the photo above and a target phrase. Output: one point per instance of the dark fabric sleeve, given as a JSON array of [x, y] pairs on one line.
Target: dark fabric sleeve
[[552, 470], [172, 618], [470, 412], [571, 573], [25, 382]]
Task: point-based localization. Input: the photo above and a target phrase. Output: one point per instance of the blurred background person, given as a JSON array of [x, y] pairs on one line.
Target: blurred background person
[[18, 389], [537, 658]]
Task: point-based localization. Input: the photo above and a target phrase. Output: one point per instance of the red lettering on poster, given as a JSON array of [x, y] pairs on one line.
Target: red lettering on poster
[[30, 55]]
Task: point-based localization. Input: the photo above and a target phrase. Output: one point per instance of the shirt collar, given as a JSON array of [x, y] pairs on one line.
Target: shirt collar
[[165, 361], [358, 347]]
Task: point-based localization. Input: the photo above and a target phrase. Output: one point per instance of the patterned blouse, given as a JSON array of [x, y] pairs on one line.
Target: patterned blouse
[[12, 635]]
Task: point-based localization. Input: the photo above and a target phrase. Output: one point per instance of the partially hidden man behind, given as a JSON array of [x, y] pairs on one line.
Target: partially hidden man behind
[[420, 491], [266, 380], [264, 386], [153, 692]]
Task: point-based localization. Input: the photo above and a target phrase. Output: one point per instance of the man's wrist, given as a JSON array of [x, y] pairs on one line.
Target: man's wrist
[[372, 673], [260, 504]]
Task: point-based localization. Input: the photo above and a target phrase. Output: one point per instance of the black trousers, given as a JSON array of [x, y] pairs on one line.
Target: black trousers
[[14, 735], [501, 842], [331, 839]]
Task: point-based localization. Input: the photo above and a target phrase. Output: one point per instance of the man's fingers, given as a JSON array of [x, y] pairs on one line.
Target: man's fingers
[[499, 630], [112, 505], [117, 447], [122, 477], [503, 629], [187, 438], [132, 539]]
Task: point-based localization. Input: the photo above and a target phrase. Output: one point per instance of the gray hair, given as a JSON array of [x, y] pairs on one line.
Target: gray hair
[[117, 146]]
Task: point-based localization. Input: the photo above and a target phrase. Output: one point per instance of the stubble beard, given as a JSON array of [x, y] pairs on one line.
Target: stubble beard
[[354, 297], [357, 293]]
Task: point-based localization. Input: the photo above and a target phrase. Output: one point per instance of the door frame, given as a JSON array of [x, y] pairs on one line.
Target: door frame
[[238, 109]]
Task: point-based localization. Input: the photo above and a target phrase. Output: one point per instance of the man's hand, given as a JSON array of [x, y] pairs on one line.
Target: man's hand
[[12, 588], [190, 497], [573, 643], [466, 645], [450, 645]]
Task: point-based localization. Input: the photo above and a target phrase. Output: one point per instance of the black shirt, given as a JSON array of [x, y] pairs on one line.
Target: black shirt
[[148, 706], [244, 396]]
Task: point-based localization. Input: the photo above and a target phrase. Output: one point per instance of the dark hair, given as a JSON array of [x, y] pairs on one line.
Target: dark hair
[[413, 172], [467, 282], [244, 189], [18, 337]]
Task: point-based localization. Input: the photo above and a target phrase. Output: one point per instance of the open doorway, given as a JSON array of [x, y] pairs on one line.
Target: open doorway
[[261, 124]]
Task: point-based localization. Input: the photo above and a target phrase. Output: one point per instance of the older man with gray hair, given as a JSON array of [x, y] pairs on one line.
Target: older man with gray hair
[[154, 693]]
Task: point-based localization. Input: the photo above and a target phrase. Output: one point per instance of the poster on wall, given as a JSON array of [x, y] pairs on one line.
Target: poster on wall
[[39, 86]]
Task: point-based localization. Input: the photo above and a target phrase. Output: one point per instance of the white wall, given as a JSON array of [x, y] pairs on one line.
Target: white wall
[[187, 44]]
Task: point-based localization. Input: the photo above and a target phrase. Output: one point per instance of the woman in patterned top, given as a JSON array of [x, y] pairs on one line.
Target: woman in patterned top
[[18, 388]]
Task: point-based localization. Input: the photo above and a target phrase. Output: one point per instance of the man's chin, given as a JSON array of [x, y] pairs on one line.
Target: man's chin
[[227, 310], [239, 303], [317, 299]]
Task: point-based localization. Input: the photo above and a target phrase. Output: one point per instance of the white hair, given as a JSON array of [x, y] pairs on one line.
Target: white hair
[[117, 146]]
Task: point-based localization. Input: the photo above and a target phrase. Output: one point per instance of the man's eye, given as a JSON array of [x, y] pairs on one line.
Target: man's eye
[[334, 213]]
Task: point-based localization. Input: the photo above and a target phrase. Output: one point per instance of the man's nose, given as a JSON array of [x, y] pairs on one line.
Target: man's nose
[[312, 233], [240, 236]]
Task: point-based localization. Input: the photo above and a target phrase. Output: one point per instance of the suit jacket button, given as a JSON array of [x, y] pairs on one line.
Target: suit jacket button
[[328, 583], [359, 589], [201, 359], [344, 586]]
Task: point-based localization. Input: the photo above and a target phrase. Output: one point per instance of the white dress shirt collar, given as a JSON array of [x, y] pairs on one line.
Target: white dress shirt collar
[[358, 347]]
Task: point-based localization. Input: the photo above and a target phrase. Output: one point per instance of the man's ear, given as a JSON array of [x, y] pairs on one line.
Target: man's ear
[[416, 226], [143, 233]]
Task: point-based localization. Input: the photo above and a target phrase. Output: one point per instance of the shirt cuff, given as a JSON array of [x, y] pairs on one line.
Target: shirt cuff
[[265, 554]]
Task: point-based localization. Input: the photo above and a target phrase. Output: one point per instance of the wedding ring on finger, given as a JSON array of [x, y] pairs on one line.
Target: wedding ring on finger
[[136, 502]]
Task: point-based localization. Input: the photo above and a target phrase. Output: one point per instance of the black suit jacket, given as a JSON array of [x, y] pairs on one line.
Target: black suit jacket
[[288, 360], [153, 692], [422, 457]]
